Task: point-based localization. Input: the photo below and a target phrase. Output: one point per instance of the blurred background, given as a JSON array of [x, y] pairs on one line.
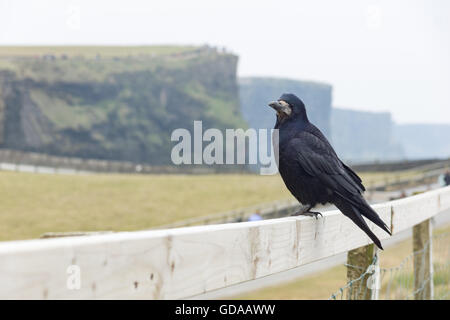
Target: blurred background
[[90, 93]]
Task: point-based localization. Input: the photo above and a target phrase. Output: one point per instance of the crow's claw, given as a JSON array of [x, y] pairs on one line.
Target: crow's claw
[[308, 213]]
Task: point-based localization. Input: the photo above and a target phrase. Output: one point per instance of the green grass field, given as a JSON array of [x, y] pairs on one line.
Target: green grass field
[[32, 204]]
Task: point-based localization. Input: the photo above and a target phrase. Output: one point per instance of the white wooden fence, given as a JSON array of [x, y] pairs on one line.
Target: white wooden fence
[[179, 263]]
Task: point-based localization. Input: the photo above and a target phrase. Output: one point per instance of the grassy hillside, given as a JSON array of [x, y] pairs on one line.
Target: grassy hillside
[[90, 51], [113, 102]]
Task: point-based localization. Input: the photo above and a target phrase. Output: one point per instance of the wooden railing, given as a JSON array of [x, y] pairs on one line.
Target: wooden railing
[[180, 263]]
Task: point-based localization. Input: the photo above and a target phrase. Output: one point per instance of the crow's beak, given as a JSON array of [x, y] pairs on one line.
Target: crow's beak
[[276, 105], [280, 107]]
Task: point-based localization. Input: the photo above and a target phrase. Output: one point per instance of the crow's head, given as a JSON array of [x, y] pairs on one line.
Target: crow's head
[[289, 106]]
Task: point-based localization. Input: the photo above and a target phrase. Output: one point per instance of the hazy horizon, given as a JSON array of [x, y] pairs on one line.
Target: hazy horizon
[[378, 55]]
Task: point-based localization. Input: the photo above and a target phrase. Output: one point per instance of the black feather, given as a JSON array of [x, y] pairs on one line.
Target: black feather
[[355, 215]]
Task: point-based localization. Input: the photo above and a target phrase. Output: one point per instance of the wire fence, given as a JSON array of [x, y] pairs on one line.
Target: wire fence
[[399, 282]]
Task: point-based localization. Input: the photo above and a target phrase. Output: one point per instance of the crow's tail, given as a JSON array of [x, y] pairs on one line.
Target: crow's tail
[[369, 213], [355, 213]]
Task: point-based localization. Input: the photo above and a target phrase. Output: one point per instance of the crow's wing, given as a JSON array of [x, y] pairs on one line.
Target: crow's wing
[[316, 156], [318, 159], [355, 177], [314, 131]]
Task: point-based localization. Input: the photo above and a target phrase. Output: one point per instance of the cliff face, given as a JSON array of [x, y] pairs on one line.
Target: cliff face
[[122, 108], [364, 136], [256, 93], [424, 141]]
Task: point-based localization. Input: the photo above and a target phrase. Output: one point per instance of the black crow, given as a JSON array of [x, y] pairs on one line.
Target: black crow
[[312, 171]]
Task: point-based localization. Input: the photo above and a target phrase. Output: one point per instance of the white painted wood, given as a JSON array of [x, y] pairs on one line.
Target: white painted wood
[[179, 263]]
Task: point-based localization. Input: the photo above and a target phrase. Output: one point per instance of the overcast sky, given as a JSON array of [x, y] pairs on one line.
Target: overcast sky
[[378, 55]]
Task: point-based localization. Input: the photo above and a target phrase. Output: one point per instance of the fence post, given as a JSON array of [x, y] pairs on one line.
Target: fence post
[[423, 262], [359, 261]]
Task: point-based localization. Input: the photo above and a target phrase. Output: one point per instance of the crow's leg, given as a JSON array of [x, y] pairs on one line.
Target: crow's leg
[[305, 211]]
